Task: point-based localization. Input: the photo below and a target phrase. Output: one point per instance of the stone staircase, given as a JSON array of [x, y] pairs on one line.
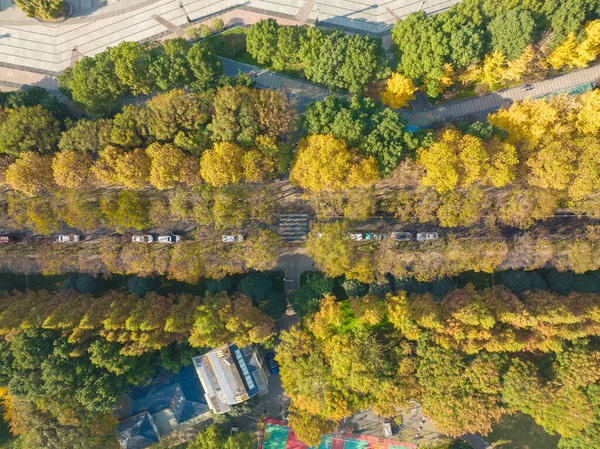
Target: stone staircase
[[293, 227]]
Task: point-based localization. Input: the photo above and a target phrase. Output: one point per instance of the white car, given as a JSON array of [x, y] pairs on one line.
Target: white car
[[170, 238], [356, 236], [232, 238], [142, 238], [401, 236], [427, 236], [68, 238]]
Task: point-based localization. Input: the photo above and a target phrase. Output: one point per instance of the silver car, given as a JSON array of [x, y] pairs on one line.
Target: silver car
[[68, 238], [170, 238], [226, 238], [142, 238], [427, 236]]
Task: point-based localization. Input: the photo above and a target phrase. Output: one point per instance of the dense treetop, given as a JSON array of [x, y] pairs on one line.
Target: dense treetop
[[134, 69], [467, 360], [333, 58], [496, 43]]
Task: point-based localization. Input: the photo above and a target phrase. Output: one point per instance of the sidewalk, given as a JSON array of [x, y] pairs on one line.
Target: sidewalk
[[302, 92], [495, 100]]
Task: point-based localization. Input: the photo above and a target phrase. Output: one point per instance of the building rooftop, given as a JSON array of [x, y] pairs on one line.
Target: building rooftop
[[230, 375], [156, 409], [181, 392], [137, 432]]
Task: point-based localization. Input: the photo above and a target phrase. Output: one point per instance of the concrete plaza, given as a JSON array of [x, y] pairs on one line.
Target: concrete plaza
[[30, 45]]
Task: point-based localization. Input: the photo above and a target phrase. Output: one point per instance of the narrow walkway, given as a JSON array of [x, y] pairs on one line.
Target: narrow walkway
[[495, 100], [476, 442], [302, 92]]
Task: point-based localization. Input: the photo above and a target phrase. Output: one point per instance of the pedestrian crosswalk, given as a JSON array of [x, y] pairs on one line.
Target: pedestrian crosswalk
[[303, 13], [293, 227]]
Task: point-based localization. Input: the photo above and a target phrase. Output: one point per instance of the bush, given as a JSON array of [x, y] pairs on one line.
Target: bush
[[227, 284], [275, 305], [354, 288], [42, 9], [231, 45], [199, 32], [140, 286], [217, 24]]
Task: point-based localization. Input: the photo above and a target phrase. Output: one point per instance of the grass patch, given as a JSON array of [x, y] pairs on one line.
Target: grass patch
[[520, 432]]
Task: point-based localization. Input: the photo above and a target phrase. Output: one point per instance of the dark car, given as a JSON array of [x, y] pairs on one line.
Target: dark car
[[273, 366]]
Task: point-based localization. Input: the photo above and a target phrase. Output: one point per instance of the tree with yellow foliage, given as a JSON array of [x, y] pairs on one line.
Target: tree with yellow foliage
[[257, 166], [552, 166], [573, 54], [564, 54], [587, 119], [589, 49], [504, 159], [132, 169], [324, 164], [529, 121], [586, 179], [453, 160], [223, 164], [166, 165], [491, 73], [31, 174], [517, 68], [399, 91], [71, 168]]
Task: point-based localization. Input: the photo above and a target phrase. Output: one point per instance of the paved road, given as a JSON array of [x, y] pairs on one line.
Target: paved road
[[476, 442], [293, 265]]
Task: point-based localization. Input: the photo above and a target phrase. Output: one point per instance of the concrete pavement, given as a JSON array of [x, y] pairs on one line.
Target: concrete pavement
[[26, 43], [293, 264], [476, 442]]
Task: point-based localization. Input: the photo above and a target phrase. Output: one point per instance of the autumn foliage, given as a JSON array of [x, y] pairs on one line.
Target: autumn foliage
[[467, 359], [324, 163]]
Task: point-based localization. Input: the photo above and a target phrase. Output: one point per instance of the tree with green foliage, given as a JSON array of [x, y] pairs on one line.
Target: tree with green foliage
[[467, 45], [512, 32], [33, 96], [28, 129], [375, 132], [348, 62], [126, 210], [171, 68], [205, 65], [288, 46], [261, 40], [423, 49], [42, 9], [94, 83], [86, 135], [213, 437], [132, 61]]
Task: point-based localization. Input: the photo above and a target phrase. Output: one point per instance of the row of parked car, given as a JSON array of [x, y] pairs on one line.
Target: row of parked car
[[398, 236], [149, 238], [138, 238]]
